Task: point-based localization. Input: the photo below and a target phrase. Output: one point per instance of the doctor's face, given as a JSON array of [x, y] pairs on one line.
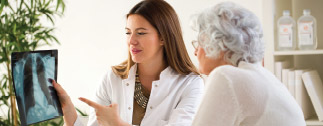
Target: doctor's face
[[143, 40]]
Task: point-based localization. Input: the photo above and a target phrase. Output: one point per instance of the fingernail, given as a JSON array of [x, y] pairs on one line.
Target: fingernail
[[81, 99], [50, 80]]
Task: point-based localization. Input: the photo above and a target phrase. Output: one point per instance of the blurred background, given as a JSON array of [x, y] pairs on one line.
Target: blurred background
[[93, 39]]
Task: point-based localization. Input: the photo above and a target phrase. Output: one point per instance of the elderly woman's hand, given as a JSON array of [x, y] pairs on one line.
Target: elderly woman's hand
[[106, 115], [66, 103]]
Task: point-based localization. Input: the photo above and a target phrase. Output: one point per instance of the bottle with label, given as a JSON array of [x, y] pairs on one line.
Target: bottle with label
[[307, 31], [286, 27]]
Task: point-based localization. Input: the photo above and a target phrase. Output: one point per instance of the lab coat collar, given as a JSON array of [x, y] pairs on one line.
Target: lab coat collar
[[132, 73], [166, 72]]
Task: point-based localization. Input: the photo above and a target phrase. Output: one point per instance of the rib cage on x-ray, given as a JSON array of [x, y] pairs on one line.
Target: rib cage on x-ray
[[34, 61], [36, 101]]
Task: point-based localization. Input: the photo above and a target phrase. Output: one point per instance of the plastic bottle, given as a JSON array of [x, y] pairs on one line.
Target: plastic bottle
[[307, 31], [286, 27]]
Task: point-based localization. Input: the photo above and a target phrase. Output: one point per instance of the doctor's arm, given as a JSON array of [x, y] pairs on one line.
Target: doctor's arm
[[101, 97], [106, 115], [185, 110]]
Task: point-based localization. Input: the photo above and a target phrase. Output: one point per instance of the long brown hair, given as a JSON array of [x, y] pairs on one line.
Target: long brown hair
[[164, 18]]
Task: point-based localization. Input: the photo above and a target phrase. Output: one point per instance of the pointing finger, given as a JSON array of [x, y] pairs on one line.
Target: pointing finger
[[90, 103]]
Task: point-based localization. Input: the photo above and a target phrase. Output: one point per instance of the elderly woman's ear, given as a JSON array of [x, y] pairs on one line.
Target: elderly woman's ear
[[221, 55], [195, 51]]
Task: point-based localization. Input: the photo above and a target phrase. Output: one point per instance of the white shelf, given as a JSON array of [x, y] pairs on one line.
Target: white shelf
[[298, 52], [313, 122], [272, 10]]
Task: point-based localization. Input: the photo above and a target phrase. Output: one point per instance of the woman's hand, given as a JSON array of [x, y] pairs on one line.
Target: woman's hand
[[106, 115], [66, 103]]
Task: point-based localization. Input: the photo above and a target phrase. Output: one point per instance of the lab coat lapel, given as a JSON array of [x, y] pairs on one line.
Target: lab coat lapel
[[128, 88], [161, 88]]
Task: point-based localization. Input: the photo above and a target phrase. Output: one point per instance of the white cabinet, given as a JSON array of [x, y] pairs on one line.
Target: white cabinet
[[313, 59]]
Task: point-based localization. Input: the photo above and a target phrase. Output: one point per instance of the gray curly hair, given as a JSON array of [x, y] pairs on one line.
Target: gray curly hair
[[230, 28]]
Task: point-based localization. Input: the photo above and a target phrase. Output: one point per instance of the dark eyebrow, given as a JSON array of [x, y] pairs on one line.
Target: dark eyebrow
[[140, 29], [137, 28]]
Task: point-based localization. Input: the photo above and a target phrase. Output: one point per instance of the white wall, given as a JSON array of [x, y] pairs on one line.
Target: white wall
[[92, 39]]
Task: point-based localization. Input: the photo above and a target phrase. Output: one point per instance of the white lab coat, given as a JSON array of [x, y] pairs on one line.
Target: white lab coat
[[173, 99]]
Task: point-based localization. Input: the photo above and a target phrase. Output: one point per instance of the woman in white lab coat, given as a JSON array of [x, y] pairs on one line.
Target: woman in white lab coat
[[239, 90], [157, 85]]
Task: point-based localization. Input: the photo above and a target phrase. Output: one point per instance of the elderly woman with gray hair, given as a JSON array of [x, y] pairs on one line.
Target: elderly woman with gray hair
[[239, 91]]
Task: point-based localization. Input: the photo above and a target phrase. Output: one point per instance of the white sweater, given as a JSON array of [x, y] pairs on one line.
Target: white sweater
[[247, 95]]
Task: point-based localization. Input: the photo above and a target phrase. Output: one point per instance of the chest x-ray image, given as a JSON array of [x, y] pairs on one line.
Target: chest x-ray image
[[36, 98]]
